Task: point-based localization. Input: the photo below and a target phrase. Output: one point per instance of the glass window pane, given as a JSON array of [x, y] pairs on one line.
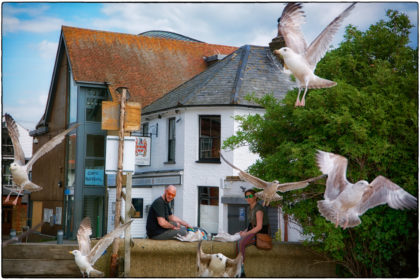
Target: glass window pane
[[71, 160], [95, 145], [209, 137], [138, 205], [73, 100], [209, 208], [94, 98]]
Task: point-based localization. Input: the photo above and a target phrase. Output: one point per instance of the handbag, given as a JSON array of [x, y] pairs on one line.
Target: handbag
[[264, 241]]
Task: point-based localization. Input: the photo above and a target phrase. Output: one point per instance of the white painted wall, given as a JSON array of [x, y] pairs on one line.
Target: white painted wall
[[138, 227], [195, 174]]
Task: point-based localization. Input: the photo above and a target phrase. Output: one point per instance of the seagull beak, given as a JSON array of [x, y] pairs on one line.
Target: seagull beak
[[277, 52], [71, 252]]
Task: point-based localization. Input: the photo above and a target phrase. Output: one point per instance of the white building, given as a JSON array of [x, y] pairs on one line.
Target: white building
[[187, 128]]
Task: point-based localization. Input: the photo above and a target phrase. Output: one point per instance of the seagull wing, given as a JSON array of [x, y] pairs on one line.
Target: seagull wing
[[384, 191], [83, 233], [49, 146], [105, 241], [319, 46], [257, 182], [14, 135], [289, 27], [203, 262], [233, 266], [335, 166], [285, 187]]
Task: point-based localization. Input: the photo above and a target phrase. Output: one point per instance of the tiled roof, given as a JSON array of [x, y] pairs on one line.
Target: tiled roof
[[149, 67], [250, 69]]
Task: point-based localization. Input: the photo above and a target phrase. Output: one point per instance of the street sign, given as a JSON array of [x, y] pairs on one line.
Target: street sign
[[129, 155], [111, 116]]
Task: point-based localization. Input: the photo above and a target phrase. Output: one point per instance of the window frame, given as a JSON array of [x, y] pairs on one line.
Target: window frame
[[171, 140], [203, 159]]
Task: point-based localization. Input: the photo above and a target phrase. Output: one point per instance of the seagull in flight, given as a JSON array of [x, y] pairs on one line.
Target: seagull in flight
[[86, 257], [344, 202], [300, 59], [270, 189], [18, 168], [217, 265]]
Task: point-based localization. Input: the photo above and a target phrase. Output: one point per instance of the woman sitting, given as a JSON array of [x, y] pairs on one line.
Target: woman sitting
[[257, 223]]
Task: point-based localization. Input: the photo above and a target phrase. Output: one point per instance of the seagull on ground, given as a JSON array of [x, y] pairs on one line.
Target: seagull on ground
[[217, 265], [86, 257], [18, 168], [300, 59], [344, 202], [270, 189]]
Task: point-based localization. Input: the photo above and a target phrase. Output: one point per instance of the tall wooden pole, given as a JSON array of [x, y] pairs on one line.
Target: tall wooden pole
[[127, 234], [114, 255]]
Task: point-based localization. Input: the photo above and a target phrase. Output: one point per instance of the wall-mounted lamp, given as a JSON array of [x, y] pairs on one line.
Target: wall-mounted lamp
[[60, 184], [159, 116], [178, 120]]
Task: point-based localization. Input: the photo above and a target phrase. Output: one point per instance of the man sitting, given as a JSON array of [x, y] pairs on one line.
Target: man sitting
[[161, 223]]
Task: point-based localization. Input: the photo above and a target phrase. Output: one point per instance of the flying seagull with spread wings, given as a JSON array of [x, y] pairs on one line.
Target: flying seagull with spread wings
[[300, 59], [217, 265], [86, 257], [18, 168], [344, 202], [270, 189]]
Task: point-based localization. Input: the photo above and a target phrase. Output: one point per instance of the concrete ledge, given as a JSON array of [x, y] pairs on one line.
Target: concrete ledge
[[168, 258], [171, 258]]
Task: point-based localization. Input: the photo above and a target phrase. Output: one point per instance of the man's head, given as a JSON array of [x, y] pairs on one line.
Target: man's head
[[170, 193]]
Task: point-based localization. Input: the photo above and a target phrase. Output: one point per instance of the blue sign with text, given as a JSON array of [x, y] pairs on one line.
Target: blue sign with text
[[94, 177]]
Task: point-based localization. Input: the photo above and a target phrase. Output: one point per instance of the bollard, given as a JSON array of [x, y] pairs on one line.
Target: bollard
[[12, 233], [60, 236]]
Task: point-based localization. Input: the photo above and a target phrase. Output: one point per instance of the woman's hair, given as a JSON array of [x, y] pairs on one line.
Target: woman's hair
[[249, 190]]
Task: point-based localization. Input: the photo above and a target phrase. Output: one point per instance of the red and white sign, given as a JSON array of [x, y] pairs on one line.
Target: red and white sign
[[143, 150]]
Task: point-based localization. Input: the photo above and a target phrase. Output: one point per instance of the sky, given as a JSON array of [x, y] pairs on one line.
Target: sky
[[31, 31]]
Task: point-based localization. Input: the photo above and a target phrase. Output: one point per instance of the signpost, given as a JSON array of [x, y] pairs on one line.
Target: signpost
[[122, 116]]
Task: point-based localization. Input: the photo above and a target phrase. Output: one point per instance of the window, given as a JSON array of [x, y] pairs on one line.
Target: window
[[95, 160], [171, 140], [208, 199], [145, 129], [72, 99], [138, 205], [94, 98], [71, 160], [209, 140]]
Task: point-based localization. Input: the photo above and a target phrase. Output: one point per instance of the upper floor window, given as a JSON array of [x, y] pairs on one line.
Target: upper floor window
[[145, 129], [94, 98], [209, 141], [171, 140], [72, 99]]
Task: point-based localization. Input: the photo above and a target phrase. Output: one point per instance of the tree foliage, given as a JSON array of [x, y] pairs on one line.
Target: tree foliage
[[370, 117]]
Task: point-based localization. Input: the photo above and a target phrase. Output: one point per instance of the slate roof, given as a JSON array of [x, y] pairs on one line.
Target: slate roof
[[148, 66], [250, 69]]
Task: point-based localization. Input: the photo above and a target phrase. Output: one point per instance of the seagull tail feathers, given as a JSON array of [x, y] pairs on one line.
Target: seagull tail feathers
[[318, 82], [327, 210], [29, 186]]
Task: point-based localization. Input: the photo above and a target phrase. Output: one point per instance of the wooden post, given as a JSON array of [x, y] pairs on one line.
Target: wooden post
[[114, 255], [127, 235]]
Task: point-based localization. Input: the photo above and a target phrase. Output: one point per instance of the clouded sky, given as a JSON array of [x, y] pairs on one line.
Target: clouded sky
[[30, 34]]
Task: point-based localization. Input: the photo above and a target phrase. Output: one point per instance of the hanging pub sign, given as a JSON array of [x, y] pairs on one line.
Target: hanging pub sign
[[143, 150]]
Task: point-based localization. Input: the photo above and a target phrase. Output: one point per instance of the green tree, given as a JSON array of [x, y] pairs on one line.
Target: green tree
[[370, 117]]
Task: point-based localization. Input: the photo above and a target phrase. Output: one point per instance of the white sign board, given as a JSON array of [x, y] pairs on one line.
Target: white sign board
[[143, 150], [111, 159]]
